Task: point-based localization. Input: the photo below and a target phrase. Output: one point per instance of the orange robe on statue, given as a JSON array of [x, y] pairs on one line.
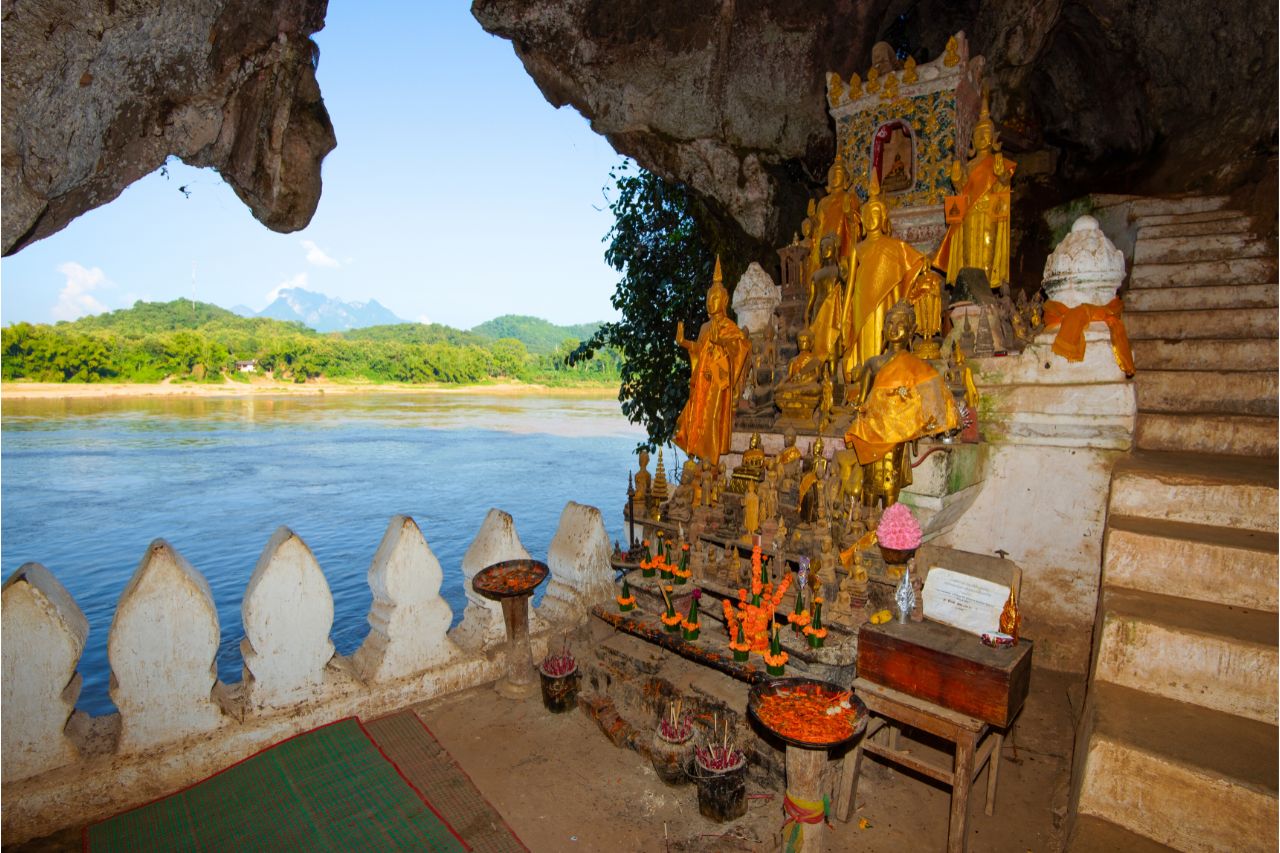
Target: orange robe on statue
[[883, 266], [981, 237], [908, 400], [716, 361]]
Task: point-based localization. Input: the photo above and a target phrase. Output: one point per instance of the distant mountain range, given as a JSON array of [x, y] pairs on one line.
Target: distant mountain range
[[322, 313], [326, 314]]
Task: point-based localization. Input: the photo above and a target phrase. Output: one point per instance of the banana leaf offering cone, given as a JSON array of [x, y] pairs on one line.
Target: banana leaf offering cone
[[741, 648], [690, 624], [814, 632], [775, 660], [626, 601]]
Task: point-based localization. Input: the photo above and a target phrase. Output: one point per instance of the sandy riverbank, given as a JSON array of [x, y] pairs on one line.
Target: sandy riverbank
[[76, 390]]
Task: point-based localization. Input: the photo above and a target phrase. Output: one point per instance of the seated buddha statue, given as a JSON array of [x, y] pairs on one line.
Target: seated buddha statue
[[901, 398], [751, 469], [799, 394]]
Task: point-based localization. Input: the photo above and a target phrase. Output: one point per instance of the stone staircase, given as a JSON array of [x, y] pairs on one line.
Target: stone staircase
[[1177, 746]]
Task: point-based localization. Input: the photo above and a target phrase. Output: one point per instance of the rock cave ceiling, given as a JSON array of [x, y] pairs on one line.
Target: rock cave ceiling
[[727, 96]]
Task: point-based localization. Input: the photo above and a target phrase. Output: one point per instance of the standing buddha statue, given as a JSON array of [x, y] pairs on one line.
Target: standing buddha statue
[[978, 216], [716, 361], [837, 213], [883, 268]]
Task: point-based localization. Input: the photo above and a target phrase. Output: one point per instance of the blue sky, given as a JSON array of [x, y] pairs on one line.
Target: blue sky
[[456, 194]]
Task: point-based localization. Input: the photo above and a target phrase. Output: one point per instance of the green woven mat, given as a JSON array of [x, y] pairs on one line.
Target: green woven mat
[[328, 789]]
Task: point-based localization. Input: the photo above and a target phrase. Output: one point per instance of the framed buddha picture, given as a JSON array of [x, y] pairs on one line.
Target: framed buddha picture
[[893, 156]]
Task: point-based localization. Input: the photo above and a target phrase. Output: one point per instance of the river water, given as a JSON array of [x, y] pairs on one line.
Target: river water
[[88, 484]]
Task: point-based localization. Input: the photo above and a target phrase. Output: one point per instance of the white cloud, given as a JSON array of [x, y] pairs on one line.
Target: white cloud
[[424, 319], [318, 256], [74, 300], [299, 280]]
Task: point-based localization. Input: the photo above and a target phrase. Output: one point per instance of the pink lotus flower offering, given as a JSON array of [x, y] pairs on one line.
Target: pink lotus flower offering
[[898, 529]]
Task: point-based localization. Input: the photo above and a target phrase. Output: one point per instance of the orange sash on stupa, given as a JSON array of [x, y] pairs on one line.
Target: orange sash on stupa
[[1073, 321]]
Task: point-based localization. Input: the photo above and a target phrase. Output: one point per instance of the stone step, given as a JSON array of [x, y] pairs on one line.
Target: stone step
[[1224, 222], [1202, 247], [1193, 779], [1224, 565], [1197, 488], [1203, 217], [1220, 323], [1176, 205], [1202, 297], [1207, 392], [1206, 354], [1091, 834], [1193, 273], [1243, 436], [1200, 652]]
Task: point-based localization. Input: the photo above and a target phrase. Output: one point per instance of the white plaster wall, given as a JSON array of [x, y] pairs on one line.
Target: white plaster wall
[[578, 558]]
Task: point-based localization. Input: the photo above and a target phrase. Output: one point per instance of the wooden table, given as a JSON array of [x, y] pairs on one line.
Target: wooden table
[[976, 743]]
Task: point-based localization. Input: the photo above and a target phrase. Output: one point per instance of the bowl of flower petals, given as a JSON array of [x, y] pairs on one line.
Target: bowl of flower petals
[[807, 712], [509, 578]]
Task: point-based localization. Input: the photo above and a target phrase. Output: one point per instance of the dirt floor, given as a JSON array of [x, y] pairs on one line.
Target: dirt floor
[[563, 786]]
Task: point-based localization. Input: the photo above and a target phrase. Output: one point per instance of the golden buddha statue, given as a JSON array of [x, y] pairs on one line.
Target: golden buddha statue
[[882, 271], [641, 496], [836, 213], [716, 361], [900, 398], [752, 467], [798, 395], [826, 298], [978, 215]]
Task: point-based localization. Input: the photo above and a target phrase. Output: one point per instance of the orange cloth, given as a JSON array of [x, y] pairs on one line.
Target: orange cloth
[[1073, 321], [908, 400]]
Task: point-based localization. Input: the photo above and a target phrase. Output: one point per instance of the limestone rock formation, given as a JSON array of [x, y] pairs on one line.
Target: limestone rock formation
[[728, 95], [97, 93]]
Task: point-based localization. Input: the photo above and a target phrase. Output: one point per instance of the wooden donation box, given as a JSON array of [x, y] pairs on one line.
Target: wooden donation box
[[944, 664]]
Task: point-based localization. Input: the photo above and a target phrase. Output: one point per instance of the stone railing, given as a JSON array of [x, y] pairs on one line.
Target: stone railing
[[177, 722]]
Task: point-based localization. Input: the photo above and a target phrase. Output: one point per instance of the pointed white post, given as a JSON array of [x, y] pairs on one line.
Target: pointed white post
[[162, 647], [578, 558], [497, 541], [287, 613], [409, 620], [43, 634]]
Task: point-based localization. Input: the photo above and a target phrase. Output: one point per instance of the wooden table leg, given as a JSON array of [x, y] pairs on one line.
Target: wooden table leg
[[804, 782], [847, 795], [519, 681], [961, 779], [993, 771]]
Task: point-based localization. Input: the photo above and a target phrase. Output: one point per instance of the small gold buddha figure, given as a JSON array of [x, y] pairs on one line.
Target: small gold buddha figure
[[900, 398], [752, 467], [750, 513], [798, 395], [769, 493], [884, 269], [716, 361], [978, 215]]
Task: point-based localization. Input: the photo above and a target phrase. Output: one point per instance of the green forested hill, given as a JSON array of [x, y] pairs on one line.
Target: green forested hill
[[539, 336], [195, 341]]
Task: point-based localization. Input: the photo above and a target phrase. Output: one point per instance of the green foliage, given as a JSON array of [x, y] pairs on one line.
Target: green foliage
[[658, 246], [539, 336], [198, 342]]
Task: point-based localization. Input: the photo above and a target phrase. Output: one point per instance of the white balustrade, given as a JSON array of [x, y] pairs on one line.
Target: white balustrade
[[162, 647], [409, 620], [287, 613], [578, 558], [163, 643], [43, 633], [497, 540]]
